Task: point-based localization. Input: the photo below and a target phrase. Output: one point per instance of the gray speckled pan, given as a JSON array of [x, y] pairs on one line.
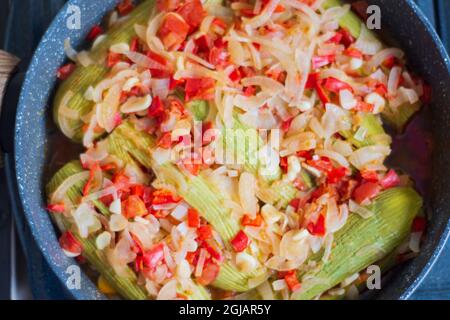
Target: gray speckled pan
[[401, 18]]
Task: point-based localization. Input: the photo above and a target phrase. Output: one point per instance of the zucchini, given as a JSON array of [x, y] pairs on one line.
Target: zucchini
[[352, 23], [127, 285], [362, 242], [70, 93]]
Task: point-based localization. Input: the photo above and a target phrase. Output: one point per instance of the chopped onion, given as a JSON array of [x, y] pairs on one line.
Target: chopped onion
[[71, 53], [136, 104], [394, 80], [367, 43], [381, 56]]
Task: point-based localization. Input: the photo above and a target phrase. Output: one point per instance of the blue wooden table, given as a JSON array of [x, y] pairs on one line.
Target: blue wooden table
[[43, 282]]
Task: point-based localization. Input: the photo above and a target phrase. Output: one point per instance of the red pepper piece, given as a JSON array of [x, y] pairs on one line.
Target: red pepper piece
[[94, 33], [248, 221], [154, 256], [164, 197], [334, 85], [419, 224], [366, 191], [193, 218], [125, 7], [209, 274], [65, 71], [240, 242], [69, 243], [56, 208], [204, 232], [317, 228], [390, 180], [292, 280]]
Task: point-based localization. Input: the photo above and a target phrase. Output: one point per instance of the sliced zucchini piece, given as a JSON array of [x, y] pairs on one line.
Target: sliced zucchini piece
[[362, 242]]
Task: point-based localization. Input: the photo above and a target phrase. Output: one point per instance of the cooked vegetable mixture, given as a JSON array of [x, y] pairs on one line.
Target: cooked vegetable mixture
[[235, 150]]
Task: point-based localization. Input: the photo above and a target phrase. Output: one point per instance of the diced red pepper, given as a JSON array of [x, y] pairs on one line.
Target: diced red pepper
[[94, 33], [371, 176], [307, 155], [285, 125], [322, 61], [317, 228], [249, 91], [347, 38], [167, 5], [120, 178], [334, 85], [65, 71], [192, 168], [314, 82], [390, 180], [284, 164], [164, 197], [203, 43], [213, 249], [364, 106], [337, 174], [173, 31], [295, 203], [56, 208], [313, 79], [165, 141], [156, 108], [193, 218], [248, 221], [134, 207], [247, 12], [419, 224], [154, 256], [323, 164], [354, 53], [235, 76], [209, 274], [204, 232], [220, 23], [193, 13], [366, 191], [87, 187], [135, 45], [113, 59], [138, 190], [389, 62], [69, 243], [322, 95], [336, 38], [240, 242], [292, 280], [125, 7], [199, 88], [381, 89], [218, 56]]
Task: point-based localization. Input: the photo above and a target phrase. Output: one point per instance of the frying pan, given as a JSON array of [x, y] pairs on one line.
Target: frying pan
[[401, 19]]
